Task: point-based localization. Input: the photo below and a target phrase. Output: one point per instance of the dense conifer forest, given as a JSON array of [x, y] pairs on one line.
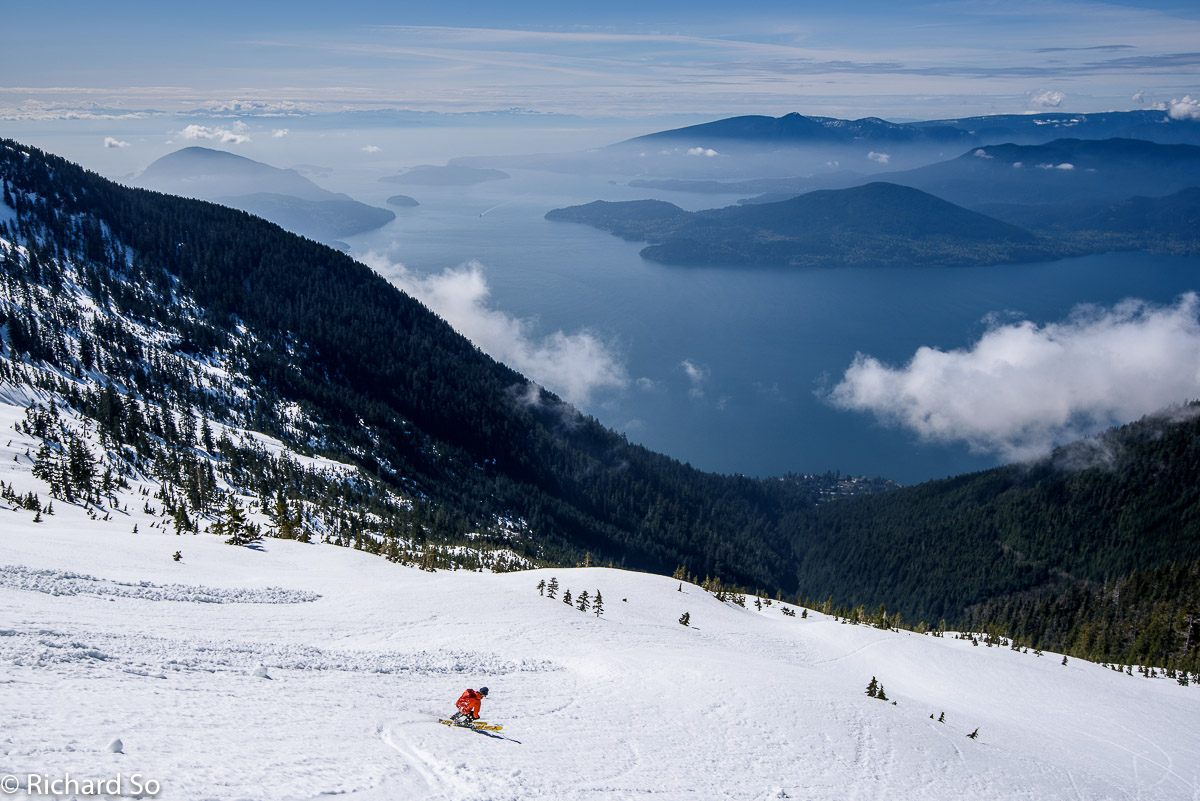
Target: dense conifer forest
[[188, 338]]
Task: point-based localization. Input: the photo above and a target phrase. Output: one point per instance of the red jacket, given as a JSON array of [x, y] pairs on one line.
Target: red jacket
[[468, 704]]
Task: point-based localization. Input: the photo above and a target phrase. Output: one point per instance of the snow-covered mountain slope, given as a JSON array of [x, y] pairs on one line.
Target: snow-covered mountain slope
[[294, 671]]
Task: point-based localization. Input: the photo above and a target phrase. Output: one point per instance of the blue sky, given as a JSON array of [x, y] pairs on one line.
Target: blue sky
[[626, 59]]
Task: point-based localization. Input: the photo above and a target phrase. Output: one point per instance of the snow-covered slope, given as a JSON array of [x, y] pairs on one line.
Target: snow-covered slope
[[293, 671]]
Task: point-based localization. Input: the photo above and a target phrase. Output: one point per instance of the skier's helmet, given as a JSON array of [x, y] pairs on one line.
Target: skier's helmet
[[483, 691]]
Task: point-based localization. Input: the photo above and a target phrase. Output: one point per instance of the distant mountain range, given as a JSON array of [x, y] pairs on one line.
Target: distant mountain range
[[285, 197], [801, 148], [799, 130], [1062, 171], [1154, 125], [877, 224], [792, 130]]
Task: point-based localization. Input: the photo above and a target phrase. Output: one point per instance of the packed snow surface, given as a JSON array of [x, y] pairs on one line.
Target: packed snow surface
[[291, 671]]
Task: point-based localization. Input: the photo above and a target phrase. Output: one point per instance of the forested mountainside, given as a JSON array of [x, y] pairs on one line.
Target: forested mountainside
[[1094, 550], [134, 306], [233, 363]]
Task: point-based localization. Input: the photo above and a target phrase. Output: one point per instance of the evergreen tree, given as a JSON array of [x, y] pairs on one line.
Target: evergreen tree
[[235, 526], [873, 688], [541, 587], [598, 605], [283, 521], [182, 521], [567, 597], [552, 587], [685, 619]]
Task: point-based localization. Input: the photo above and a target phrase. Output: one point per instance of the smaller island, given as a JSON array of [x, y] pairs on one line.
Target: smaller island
[[402, 200]]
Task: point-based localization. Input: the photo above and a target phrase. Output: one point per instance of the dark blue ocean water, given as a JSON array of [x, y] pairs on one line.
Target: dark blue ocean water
[[768, 340]]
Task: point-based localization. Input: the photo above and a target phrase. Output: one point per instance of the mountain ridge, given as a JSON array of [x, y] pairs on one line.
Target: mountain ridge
[[285, 197]]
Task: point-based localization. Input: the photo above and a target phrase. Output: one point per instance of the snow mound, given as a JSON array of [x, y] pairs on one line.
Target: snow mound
[[144, 654], [63, 582]]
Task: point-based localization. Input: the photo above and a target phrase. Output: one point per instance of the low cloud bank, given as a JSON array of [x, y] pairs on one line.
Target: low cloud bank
[[230, 136], [1048, 98], [575, 366], [1023, 388], [1186, 109]]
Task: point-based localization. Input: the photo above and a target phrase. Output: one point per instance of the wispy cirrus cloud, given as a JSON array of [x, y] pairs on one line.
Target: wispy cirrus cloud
[[1023, 388], [911, 61]]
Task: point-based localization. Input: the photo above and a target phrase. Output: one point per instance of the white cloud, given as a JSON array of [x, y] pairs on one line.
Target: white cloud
[[647, 384], [879, 158], [279, 133], [700, 151], [1186, 109], [573, 365], [230, 136], [1023, 388], [1138, 97], [697, 375], [255, 107], [371, 149], [1047, 99], [980, 153], [1065, 166], [111, 142]]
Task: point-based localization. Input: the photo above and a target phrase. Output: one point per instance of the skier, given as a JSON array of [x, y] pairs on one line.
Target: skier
[[468, 706]]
